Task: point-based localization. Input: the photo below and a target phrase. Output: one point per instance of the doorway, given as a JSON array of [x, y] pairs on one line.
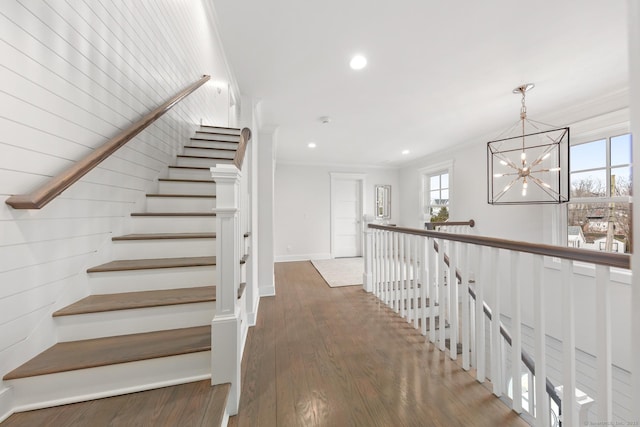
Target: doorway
[[346, 214]]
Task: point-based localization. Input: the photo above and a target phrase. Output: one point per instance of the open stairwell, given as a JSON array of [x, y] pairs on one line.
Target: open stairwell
[[147, 321]]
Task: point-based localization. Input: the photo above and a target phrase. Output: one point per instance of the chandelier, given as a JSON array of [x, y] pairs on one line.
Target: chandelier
[[529, 162]]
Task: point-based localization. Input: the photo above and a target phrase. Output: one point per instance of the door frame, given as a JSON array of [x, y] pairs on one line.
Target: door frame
[[361, 178]]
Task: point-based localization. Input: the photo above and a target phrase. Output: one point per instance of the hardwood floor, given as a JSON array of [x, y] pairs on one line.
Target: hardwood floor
[[322, 356], [318, 356]]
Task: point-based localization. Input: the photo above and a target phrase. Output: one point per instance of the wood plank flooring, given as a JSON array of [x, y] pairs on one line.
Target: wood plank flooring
[[195, 404], [322, 356], [318, 356]]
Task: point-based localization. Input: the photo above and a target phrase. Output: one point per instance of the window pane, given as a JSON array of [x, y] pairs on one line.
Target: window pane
[[435, 182], [588, 184], [444, 182], [621, 181], [435, 197], [600, 226], [621, 150], [589, 155], [444, 197]]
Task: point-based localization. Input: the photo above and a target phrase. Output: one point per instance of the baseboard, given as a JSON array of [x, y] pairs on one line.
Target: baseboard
[[252, 316], [302, 257], [268, 291], [6, 403]]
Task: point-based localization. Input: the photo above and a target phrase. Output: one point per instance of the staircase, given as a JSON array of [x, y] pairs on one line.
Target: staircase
[[147, 321]]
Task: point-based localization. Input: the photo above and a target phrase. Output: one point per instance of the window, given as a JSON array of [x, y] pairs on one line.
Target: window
[[436, 196], [599, 213]]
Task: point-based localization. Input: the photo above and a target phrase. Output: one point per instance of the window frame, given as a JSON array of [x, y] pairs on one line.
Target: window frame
[[605, 134], [424, 175]]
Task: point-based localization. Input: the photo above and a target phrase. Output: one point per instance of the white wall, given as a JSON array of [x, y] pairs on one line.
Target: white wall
[[303, 207], [73, 75]]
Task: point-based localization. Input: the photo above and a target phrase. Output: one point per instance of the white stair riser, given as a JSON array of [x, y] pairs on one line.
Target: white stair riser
[[152, 279], [170, 224], [210, 143], [226, 131], [177, 187], [134, 321], [218, 136], [87, 384], [180, 204], [201, 162], [182, 173], [206, 152], [163, 248]]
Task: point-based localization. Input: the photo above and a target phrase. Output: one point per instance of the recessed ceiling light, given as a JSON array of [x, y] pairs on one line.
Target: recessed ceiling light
[[358, 62], [311, 145], [405, 151]]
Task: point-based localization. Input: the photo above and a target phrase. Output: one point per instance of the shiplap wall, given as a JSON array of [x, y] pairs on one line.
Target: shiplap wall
[[73, 74]]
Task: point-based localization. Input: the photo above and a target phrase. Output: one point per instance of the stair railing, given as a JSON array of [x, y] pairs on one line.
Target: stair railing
[[229, 323], [406, 270], [60, 182]]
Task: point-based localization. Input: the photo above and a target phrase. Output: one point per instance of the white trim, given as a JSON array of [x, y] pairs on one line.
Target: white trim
[[6, 400], [267, 291], [302, 257], [362, 178]]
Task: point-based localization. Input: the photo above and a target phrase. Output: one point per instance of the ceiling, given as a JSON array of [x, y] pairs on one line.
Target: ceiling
[[439, 74]]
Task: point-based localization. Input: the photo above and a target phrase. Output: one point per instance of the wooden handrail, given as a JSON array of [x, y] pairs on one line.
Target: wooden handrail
[[431, 225], [56, 185], [245, 137], [583, 255]]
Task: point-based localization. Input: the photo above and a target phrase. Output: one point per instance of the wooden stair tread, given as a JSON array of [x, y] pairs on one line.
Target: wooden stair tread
[[190, 167], [164, 236], [194, 196], [142, 299], [214, 414], [204, 181], [204, 157], [218, 127], [146, 264], [195, 138], [84, 354], [173, 214], [211, 148]]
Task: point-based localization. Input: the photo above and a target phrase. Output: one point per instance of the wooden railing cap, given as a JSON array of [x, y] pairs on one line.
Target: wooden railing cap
[[583, 255]]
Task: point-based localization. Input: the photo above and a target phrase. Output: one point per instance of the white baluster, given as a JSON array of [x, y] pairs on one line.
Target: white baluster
[[496, 338], [516, 337], [453, 300], [402, 303], [481, 278], [569, 403], [542, 408], [442, 267], [432, 259], [464, 289], [387, 266], [367, 278], [416, 280], [424, 282], [603, 343]]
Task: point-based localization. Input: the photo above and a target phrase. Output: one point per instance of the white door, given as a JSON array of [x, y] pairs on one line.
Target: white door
[[346, 196]]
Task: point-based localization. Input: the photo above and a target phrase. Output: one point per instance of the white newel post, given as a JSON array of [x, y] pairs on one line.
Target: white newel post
[[225, 327], [584, 405], [367, 277]]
